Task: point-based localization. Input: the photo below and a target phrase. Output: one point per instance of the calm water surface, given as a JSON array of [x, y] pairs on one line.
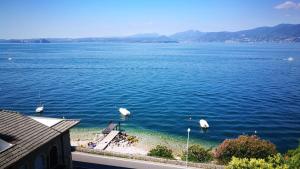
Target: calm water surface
[[237, 88]]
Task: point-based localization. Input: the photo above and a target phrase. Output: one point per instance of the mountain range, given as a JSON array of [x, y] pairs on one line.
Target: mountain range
[[278, 33]]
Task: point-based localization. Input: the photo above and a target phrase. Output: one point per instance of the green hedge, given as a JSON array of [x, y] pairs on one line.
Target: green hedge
[[161, 151], [272, 162], [197, 153], [293, 158]]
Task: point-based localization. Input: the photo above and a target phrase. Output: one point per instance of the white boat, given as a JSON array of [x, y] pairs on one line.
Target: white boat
[[204, 124], [39, 109], [124, 111], [290, 59]]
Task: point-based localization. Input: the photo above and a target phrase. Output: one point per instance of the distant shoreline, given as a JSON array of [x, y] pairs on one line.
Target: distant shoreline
[[275, 42], [280, 33]]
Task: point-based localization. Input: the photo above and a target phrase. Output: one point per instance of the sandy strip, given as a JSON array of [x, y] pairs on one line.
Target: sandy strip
[[146, 140]]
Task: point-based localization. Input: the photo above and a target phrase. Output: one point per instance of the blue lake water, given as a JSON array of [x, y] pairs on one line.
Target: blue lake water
[[237, 88]]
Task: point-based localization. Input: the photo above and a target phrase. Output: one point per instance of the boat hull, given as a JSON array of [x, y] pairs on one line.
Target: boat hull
[[39, 109], [203, 124], [124, 111]]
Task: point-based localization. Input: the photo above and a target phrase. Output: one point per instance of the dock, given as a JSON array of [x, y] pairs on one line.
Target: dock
[[111, 126], [104, 143]]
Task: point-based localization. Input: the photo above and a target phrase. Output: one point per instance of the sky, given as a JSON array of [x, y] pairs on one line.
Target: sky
[[111, 18]]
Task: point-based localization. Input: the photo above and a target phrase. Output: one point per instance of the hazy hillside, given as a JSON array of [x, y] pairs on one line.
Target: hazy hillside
[[279, 33]]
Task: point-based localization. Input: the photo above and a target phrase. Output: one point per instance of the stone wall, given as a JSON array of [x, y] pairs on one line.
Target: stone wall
[[67, 150], [62, 143]]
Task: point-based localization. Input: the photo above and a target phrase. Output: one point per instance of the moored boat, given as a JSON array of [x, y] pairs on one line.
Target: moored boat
[[203, 124], [124, 111], [39, 109]]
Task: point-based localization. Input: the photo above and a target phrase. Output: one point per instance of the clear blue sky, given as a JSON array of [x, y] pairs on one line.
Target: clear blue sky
[[98, 18]]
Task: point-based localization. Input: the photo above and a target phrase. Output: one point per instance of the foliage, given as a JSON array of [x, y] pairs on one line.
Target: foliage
[[272, 162], [293, 158], [244, 147], [161, 151], [277, 161], [197, 153], [132, 139], [245, 163]]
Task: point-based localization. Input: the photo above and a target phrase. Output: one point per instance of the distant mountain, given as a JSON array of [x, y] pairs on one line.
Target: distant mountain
[[190, 35], [145, 35], [148, 38], [279, 33]]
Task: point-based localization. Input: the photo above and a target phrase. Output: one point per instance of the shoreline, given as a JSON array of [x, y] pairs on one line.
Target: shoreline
[[147, 139]]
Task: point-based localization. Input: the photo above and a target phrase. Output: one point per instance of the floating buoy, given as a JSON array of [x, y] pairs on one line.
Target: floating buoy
[[9, 59]]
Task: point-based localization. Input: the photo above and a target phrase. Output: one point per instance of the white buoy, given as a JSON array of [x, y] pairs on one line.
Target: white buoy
[[124, 111], [290, 59], [39, 109], [9, 59], [203, 124]]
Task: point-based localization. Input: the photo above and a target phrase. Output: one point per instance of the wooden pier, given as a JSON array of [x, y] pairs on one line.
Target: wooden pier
[[104, 143]]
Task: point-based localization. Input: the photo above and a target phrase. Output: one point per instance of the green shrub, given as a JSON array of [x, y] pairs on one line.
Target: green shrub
[[293, 158], [197, 154], [244, 147], [245, 163], [272, 162], [277, 161], [161, 151]]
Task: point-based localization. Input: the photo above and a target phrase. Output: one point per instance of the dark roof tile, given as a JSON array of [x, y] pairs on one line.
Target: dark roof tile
[[26, 135]]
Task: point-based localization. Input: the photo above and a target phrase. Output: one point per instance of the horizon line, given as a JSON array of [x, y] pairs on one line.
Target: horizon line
[[146, 33]]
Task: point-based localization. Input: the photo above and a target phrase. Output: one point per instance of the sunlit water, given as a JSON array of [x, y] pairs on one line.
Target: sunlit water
[[237, 88]]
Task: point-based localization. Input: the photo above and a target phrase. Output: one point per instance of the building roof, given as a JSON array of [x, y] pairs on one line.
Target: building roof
[[46, 120], [65, 125], [4, 145], [26, 135], [60, 125]]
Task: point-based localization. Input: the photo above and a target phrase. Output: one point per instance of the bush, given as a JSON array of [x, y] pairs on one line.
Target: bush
[[244, 147], [161, 151], [293, 158], [272, 162], [277, 161], [245, 163], [132, 139], [197, 154]]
